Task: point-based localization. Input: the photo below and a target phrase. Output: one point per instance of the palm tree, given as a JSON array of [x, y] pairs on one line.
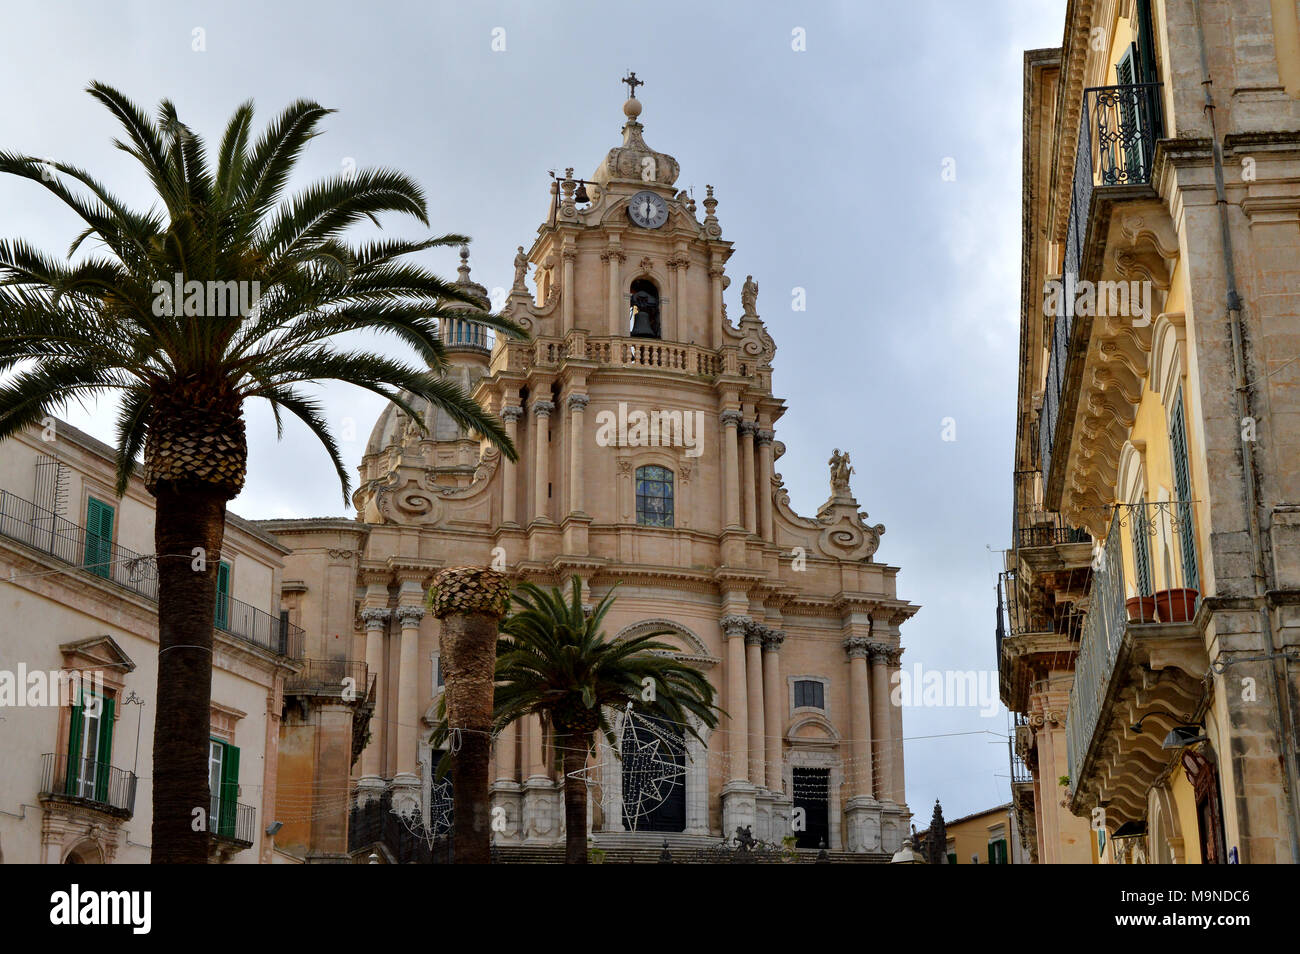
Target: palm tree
[[555, 661], [116, 321]]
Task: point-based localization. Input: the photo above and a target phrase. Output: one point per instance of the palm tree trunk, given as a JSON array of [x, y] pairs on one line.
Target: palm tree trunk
[[184, 520], [470, 603], [575, 799]]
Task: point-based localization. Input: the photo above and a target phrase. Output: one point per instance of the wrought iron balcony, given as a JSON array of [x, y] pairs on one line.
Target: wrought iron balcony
[[457, 333], [1149, 556], [90, 783], [232, 821], [1118, 129], [43, 530], [1031, 525]]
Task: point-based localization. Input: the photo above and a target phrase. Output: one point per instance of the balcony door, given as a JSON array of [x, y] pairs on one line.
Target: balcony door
[[90, 741], [1133, 135]]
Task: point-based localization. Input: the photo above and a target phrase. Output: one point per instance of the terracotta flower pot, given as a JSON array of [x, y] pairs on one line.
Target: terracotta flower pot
[[1176, 605], [1141, 609]]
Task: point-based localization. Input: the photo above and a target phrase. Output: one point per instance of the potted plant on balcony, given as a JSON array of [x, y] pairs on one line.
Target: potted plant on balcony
[[1141, 609], [1176, 605]]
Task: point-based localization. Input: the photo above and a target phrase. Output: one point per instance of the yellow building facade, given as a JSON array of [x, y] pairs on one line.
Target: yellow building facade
[[1148, 622]]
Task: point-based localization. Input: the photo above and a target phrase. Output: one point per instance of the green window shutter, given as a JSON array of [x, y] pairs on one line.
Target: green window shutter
[[223, 595], [229, 790], [74, 752], [99, 537], [1141, 529], [1183, 488], [998, 852], [952, 857], [105, 753]]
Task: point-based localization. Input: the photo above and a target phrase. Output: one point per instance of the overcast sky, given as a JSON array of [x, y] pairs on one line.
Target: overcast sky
[[828, 165]]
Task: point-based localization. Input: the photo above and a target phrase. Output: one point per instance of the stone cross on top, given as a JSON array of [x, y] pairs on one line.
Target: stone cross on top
[[632, 83]]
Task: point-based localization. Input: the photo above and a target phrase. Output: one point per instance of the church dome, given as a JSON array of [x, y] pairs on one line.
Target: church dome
[[629, 161]]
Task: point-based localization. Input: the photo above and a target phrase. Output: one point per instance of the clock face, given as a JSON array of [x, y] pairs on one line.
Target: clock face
[[648, 210]]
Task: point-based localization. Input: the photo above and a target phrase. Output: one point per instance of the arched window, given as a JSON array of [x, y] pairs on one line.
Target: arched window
[[654, 496], [644, 310]]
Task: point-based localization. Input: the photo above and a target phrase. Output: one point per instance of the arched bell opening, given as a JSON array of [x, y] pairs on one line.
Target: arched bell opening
[[644, 311]]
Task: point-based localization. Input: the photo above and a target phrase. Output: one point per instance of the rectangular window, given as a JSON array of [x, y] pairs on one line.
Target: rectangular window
[[99, 537], [809, 692], [1183, 488], [90, 747], [998, 852], [223, 783], [952, 857], [1141, 529], [223, 595]]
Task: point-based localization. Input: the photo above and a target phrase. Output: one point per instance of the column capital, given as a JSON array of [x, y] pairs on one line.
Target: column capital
[[409, 615], [763, 436], [543, 408], [511, 413], [858, 647], [772, 639], [730, 417], [747, 428], [735, 626], [578, 402], [885, 653], [375, 618]]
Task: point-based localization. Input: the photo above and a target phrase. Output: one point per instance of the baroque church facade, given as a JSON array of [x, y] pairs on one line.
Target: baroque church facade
[[646, 429]]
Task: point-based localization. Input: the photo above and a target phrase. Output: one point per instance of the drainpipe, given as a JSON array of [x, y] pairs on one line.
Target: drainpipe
[[1281, 688]]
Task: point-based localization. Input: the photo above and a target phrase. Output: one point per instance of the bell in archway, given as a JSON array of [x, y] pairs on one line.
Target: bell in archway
[[642, 325], [581, 194]]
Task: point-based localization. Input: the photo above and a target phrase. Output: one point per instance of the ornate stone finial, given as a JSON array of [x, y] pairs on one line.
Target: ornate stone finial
[[634, 160], [463, 270], [521, 269], [840, 474], [375, 618], [749, 297], [711, 226], [469, 589]]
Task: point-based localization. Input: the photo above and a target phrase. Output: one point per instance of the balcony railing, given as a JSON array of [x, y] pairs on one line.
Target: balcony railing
[[1149, 549], [457, 333], [346, 678], [1118, 126], [1019, 770], [96, 784], [233, 821], [43, 530], [1031, 525]]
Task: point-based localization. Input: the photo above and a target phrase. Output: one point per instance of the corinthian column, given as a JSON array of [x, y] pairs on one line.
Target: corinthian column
[[774, 707], [470, 603], [376, 622], [754, 685], [763, 439], [730, 420], [542, 458], [577, 404], [881, 745], [858, 648], [746, 430], [510, 414], [408, 682], [568, 256], [735, 627]]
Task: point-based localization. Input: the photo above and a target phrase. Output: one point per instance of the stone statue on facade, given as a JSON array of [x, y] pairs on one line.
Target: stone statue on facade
[[749, 297], [521, 268], [840, 472]]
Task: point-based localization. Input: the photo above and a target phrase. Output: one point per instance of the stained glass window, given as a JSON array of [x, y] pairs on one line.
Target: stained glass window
[[654, 496]]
